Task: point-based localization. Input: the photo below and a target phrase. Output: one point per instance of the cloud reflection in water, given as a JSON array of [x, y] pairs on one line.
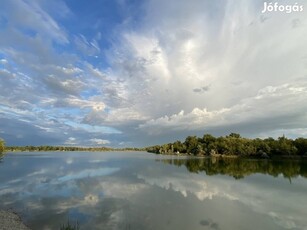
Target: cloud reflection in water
[[116, 192]]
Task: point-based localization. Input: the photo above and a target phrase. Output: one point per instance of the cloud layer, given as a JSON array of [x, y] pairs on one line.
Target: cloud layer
[[175, 68]]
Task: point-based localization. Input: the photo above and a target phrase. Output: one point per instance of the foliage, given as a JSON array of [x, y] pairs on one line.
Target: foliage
[[2, 146], [234, 145], [301, 146]]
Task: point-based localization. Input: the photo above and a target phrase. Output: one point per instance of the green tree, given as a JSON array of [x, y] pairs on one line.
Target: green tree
[[2, 146], [301, 145], [234, 144], [222, 145], [234, 135], [261, 146], [191, 142], [179, 147], [286, 146], [209, 143]]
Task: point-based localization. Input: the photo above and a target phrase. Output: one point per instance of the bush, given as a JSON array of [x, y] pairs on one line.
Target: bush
[[2, 146]]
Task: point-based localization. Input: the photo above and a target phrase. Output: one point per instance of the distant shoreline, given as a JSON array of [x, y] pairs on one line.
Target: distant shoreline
[[66, 149]]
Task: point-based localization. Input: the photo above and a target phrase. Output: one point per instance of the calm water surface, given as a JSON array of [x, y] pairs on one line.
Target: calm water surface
[[138, 190]]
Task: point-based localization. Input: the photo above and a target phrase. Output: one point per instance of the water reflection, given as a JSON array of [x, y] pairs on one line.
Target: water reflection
[[143, 191], [240, 168]]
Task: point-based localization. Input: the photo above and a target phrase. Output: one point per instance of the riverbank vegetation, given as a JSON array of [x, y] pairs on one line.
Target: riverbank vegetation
[[46, 148], [234, 145], [2, 146]]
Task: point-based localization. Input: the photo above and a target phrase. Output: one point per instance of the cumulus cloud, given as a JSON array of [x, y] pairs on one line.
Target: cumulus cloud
[[225, 53], [268, 102], [100, 141]]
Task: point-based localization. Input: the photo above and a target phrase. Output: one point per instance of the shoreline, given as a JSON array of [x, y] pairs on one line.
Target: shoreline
[[233, 156], [11, 221]]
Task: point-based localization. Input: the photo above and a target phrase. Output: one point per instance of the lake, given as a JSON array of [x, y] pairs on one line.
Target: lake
[[138, 190]]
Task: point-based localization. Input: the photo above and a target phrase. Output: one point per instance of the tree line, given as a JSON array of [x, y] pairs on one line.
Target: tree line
[[45, 148], [230, 145], [234, 145]]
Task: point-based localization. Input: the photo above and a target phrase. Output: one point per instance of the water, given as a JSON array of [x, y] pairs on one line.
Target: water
[[138, 190]]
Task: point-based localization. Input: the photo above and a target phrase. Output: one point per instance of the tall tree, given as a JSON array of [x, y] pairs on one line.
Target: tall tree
[[191, 142]]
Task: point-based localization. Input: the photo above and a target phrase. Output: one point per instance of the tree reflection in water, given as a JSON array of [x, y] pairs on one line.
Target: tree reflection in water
[[239, 168]]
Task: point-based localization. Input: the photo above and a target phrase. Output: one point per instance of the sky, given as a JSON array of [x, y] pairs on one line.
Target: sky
[[125, 73]]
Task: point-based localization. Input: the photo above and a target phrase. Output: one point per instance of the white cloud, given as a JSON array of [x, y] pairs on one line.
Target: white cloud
[[71, 141], [30, 15], [98, 141], [3, 61], [88, 48], [115, 117], [79, 103], [183, 68], [268, 102], [225, 52], [70, 70]]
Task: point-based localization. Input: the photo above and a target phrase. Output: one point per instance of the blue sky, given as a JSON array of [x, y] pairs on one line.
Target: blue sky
[[137, 73]]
